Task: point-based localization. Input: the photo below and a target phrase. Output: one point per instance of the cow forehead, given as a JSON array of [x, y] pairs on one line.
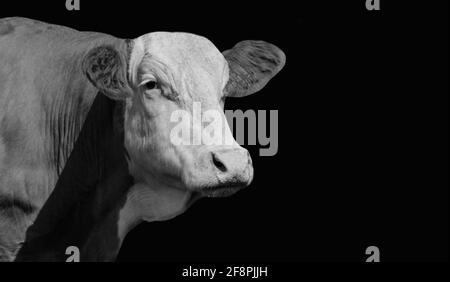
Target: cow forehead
[[186, 56]]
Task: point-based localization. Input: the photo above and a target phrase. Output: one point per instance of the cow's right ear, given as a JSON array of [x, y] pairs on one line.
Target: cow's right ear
[[106, 67]]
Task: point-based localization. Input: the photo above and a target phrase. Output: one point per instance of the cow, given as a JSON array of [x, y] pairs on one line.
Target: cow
[[85, 133]]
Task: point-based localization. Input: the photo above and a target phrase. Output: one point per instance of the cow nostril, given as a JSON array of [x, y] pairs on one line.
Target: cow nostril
[[218, 163]]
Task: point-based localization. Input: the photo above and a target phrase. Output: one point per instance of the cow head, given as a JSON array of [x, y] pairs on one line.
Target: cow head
[[161, 73]]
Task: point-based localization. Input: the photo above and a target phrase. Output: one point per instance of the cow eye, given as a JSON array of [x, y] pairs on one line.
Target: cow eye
[[151, 85]]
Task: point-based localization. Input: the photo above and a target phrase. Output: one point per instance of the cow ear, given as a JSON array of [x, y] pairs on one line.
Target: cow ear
[[106, 67], [251, 65]]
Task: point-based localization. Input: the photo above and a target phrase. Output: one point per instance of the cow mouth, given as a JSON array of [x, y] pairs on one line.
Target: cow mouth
[[222, 190]]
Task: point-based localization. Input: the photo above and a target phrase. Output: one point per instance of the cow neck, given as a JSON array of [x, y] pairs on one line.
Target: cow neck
[[161, 203]]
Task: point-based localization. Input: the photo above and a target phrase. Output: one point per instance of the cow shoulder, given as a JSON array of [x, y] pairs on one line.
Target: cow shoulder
[[40, 69]]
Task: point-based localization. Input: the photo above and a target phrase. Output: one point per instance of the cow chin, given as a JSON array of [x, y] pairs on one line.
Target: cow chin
[[219, 192], [214, 186]]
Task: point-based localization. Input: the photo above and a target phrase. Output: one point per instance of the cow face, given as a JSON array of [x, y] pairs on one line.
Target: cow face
[[167, 81]]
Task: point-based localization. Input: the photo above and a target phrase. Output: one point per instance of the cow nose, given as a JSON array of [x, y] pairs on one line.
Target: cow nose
[[233, 165], [218, 163], [233, 170]]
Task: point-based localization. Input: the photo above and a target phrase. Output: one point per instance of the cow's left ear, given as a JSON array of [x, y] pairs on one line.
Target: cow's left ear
[[106, 67], [251, 65]]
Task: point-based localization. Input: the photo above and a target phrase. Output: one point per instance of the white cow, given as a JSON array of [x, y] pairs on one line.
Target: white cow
[[85, 133]]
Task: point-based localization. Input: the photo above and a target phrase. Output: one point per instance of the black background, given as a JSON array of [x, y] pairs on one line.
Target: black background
[[363, 130]]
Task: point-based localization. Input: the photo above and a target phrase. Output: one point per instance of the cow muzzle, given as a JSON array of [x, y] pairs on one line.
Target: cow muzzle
[[232, 169]]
